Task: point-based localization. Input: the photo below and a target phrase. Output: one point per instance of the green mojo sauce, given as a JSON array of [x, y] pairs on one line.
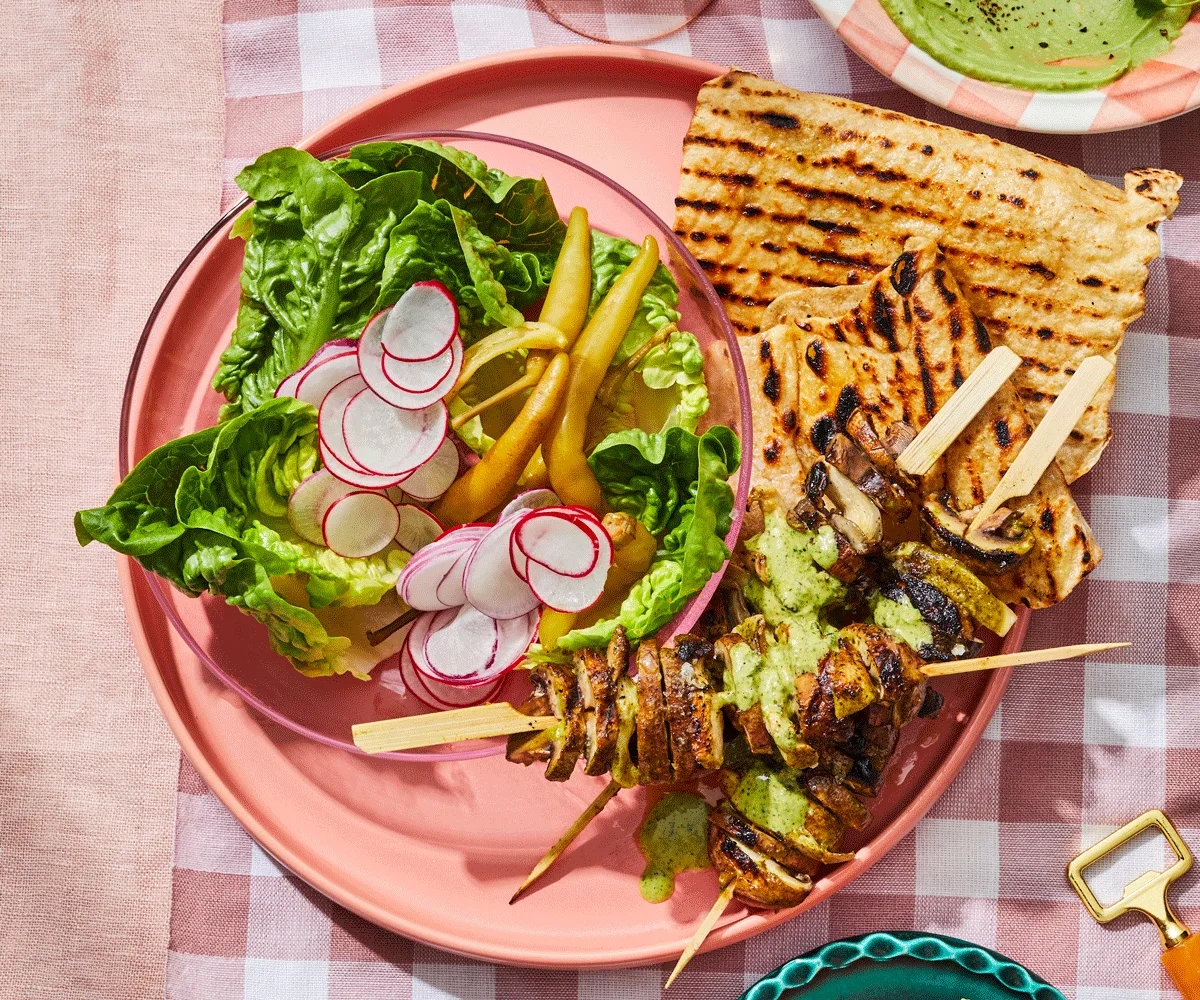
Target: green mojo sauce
[[771, 799], [673, 838], [902, 620], [1041, 44]]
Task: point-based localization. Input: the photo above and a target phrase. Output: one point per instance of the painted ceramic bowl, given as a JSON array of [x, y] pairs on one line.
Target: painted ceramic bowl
[[902, 965]]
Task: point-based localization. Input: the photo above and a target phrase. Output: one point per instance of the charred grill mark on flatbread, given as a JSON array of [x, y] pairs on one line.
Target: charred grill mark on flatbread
[[883, 318], [822, 433], [814, 355], [1003, 438], [837, 228], [904, 274], [848, 401], [926, 378], [1069, 224], [981, 336], [770, 385]]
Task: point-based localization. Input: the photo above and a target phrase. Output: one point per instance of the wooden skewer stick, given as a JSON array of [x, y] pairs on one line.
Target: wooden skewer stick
[[1048, 437], [563, 842], [501, 719], [959, 410], [1002, 660], [474, 723], [702, 932]]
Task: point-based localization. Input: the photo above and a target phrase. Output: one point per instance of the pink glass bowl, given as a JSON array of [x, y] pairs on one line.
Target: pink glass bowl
[[167, 395]]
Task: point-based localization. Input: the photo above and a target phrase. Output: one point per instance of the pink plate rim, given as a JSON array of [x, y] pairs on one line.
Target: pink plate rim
[[173, 699], [1157, 90]]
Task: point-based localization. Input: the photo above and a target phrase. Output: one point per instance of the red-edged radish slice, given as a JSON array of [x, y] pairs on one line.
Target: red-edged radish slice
[[433, 478], [519, 560], [405, 679], [391, 379], [359, 524], [334, 452], [422, 324], [558, 541], [417, 527], [310, 500], [572, 593], [460, 646], [490, 580], [288, 386], [386, 440], [419, 376], [529, 500], [320, 379], [419, 581], [516, 635]]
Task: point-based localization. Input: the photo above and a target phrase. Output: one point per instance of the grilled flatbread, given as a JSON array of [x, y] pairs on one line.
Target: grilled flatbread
[[782, 190], [904, 349], [770, 359]]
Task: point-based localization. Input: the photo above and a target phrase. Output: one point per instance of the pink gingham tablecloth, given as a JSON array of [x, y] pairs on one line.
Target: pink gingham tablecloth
[[1075, 750]]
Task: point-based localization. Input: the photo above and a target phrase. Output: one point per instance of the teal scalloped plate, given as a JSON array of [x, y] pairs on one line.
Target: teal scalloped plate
[[903, 965]]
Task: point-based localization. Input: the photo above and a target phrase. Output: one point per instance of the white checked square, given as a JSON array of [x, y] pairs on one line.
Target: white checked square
[[338, 48], [1133, 534], [483, 29], [1106, 993], [1107, 878], [995, 724], [444, 977], [208, 838], [272, 978], [958, 857], [805, 53], [626, 27], [261, 57], [1143, 375], [628, 984], [261, 863], [201, 977], [1125, 704]]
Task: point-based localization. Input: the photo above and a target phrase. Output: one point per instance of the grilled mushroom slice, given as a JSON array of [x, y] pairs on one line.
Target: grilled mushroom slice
[[624, 768], [568, 741], [598, 693], [849, 565], [654, 761], [851, 512], [765, 842], [854, 463], [677, 688], [838, 799], [535, 747], [958, 583], [1000, 543], [757, 879]]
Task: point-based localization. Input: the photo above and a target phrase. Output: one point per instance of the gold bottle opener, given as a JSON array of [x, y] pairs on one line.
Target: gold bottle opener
[[1148, 894]]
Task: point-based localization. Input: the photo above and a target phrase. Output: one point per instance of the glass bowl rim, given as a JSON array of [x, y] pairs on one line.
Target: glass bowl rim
[[695, 605]]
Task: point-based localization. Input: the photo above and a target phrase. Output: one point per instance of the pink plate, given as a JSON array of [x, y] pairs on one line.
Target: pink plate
[[434, 850]]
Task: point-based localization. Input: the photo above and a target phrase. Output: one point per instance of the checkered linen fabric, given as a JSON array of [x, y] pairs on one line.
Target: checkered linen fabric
[[1076, 749]]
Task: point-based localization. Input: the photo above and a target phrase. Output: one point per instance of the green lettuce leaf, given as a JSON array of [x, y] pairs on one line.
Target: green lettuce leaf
[[611, 255], [208, 512], [696, 508], [329, 243]]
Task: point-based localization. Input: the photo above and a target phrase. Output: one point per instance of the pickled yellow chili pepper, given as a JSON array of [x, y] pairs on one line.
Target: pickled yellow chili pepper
[[591, 355], [531, 336], [488, 483], [565, 307]]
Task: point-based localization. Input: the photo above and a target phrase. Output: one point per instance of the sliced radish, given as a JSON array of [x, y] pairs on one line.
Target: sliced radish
[[407, 384], [319, 379], [420, 580], [450, 590], [334, 453], [310, 500], [460, 645], [417, 527], [419, 376], [433, 478], [529, 500], [395, 494], [422, 324], [490, 580], [288, 386], [516, 636], [572, 593], [359, 524], [386, 440], [435, 694], [558, 541]]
